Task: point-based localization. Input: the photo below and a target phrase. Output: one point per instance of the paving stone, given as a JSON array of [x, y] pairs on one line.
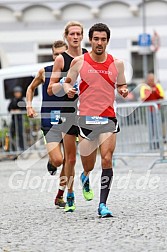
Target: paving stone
[[29, 221]]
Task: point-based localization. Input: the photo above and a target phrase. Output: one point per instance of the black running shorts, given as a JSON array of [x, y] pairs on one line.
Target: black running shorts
[[92, 131], [69, 124], [54, 134]]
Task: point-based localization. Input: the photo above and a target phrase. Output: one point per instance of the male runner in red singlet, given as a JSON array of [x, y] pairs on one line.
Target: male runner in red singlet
[[100, 73]]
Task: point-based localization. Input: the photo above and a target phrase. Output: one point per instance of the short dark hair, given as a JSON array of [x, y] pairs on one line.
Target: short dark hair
[[100, 27], [59, 43]]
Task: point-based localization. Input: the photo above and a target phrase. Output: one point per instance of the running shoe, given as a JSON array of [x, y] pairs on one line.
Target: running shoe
[[87, 192], [70, 205], [59, 202], [103, 211], [51, 169]]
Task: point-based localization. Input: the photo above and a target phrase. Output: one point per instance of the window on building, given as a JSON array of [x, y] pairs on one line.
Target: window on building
[[45, 46], [44, 53], [23, 82], [137, 64], [44, 58], [134, 43], [87, 44]]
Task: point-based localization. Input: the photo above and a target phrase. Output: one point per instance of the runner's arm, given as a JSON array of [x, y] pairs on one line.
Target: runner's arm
[[122, 87], [54, 85], [71, 78], [39, 79]]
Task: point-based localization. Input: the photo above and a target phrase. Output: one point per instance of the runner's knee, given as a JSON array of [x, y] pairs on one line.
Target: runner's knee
[[107, 161], [71, 160], [88, 166], [56, 161]]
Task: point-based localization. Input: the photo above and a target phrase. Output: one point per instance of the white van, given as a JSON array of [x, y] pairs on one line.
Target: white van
[[19, 76]]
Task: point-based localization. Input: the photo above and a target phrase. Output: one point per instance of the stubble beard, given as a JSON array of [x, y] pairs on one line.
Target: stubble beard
[[98, 53]]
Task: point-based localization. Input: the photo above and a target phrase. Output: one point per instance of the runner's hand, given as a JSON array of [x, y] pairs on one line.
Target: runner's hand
[[71, 92], [31, 112], [123, 90]]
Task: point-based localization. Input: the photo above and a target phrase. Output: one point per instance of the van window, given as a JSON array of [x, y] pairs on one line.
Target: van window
[[23, 82]]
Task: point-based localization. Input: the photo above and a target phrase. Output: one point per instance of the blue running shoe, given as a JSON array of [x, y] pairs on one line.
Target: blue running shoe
[[103, 211], [87, 192]]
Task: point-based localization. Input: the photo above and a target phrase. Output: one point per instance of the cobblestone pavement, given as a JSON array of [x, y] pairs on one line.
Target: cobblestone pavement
[[29, 221]]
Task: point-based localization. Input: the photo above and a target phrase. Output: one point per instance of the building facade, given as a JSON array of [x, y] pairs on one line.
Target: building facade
[[28, 29]]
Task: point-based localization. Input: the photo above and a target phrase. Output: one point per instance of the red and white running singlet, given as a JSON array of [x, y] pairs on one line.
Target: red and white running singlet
[[97, 87]]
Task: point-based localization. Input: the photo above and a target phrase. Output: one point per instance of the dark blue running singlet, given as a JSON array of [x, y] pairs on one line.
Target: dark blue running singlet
[[46, 100]]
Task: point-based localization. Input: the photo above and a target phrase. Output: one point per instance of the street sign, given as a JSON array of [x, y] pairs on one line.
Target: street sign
[[144, 43], [144, 39]]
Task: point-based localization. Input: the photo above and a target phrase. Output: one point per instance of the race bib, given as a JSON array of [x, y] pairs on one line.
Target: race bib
[[96, 120], [55, 116]]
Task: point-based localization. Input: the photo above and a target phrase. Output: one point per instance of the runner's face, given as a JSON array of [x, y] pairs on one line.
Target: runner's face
[[57, 51], [74, 36], [99, 42]]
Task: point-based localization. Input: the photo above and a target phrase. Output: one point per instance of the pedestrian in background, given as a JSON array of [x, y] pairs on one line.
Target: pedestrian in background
[[152, 91], [16, 127]]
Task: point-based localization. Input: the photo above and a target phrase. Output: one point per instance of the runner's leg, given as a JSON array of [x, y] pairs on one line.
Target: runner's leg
[[56, 159], [52, 138], [70, 159], [55, 154], [88, 152], [107, 146]]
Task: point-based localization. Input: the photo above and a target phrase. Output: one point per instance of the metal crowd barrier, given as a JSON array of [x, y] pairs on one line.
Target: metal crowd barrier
[[20, 136], [143, 131], [163, 111]]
